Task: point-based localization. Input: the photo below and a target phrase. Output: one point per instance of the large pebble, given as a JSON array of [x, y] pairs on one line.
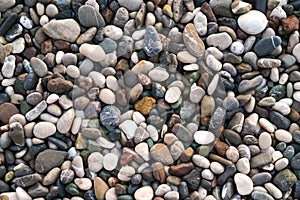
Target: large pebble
[[172, 95], [204, 137], [65, 29], [39, 66], [243, 183], [283, 136], [92, 51], [90, 17], [144, 193], [253, 22], [110, 161], [192, 41], [64, 123], [131, 5], [43, 130]]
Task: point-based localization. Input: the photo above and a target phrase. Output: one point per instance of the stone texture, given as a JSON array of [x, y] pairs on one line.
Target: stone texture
[[65, 29]]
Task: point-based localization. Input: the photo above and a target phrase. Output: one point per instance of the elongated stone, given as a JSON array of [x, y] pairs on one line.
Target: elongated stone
[[152, 44], [267, 45], [192, 41]]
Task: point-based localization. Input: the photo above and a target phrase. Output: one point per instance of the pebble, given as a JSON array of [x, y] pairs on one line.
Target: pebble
[[89, 16], [36, 111], [161, 153], [100, 188], [9, 66], [220, 40], [192, 41], [213, 63], [172, 95], [243, 183], [126, 173], [200, 23], [243, 165], [253, 22], [285, 179], [145, 192], [204, 137], [283, 136], [265, 140], [39, 66], [110, 161], [93, 52], [152, 44], [65, 29], [48, 159], [266, 45], [43, 130], [131, 5], [64, 123]]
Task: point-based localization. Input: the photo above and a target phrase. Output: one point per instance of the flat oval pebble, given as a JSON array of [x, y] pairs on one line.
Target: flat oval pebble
[[144, 193], [110, 161], [93, 52], [43, 130], [253, 22], [172, 95], [283, 136], [243, 183], [204, 137]]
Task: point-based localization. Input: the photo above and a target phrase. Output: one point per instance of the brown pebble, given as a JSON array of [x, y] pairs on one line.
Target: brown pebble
[[59, 85], [206, 9], [4, 197], [29, 52], [112, 181], [122, 65], [290, 23], [126, 158], [221, 147], [274, 22], [181, 169], [62, 45], [46, 47], [100, 188], [107, 14], [294, 115], [187, 155], [159, 172], [6, 111]]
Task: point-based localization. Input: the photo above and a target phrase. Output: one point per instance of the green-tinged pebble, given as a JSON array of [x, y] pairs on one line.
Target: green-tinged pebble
[[24, 107], [104, 174], [9, 176], [125, 197], [72, 189]]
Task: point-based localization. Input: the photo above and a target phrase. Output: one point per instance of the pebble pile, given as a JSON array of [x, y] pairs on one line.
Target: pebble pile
[[158, 99]]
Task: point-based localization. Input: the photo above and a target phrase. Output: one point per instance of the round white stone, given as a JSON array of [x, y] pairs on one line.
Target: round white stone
[[253, 22], [264, 140], [44, 129], [107, 96], [172, 95], [283, 136], [243, 183], [126, 173], [204, 137], [217, 168], [296, 96], [237, 48], [93, 52], [144, 193], [110, 161]]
